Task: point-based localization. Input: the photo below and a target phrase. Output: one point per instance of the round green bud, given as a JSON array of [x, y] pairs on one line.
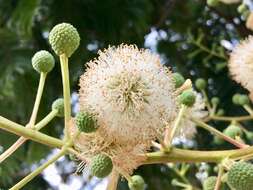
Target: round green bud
[[59, 106], [243, 100], [212, 3], [235, 98], [43, 61], [218, 140], [249, 135], [233, 131], [136, 183], [242, 8], [187, 98], [64, 39], [240, 176], [178, 79], [215, 100], [220, 112], [101, 165], [86, 122], [200, 84], [209, 183]]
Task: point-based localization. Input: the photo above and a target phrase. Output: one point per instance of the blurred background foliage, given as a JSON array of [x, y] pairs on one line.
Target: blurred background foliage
[[191, 37]]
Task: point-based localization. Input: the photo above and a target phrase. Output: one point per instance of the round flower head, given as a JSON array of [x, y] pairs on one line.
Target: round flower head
[[241, 63], [131, 95], [43, 61], [130, 92], [64, 39]]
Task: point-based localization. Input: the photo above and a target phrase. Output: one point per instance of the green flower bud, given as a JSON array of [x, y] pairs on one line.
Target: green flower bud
[[235, 98], [218, 140], [220, 112], [187, 98], [86, 122], [213, 3], [215, 100], [233, 131], [59, 106], [200, 84], [240, 176], [243, 100], [136, 183], [64, 39], [249, 135], [101, 165], [242, 8], [178, 79], [43, 61], [209, 183]]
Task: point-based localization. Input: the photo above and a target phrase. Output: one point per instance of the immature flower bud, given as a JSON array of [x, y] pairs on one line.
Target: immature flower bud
[[64, 39], [233, 131], [235, 98], [101, 165], [212, 3], [243, 100], [136, 183], [59, 106], [86, 122], [215, 100], [200, 84], [178, 79], [220, 112], [209, 183], [187, 98], [242, 8], [240, 176], [43, 61]]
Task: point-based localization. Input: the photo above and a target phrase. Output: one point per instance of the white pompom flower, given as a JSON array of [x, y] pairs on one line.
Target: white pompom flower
[[131, 93], [133, 97], [241, 63]]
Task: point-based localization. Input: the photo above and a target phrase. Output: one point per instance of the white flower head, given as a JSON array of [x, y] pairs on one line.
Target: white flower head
[[131, 93], [241, 63], [187, 128]]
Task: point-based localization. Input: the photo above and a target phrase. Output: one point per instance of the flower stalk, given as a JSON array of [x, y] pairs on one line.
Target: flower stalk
[[66, 92]]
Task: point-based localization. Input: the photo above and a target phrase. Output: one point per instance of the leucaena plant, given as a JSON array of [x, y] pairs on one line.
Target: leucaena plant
[[130, 102]]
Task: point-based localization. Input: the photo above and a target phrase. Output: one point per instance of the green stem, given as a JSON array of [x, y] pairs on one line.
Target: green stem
[[231, 118], [36, 172], [248, 109], [193, 156], [66, 92], [22, 139], [46, 120], [37, 100], [20, 130], [206, 99], [113, 181], [169, 137], [218, 133], [204, 48], [218, 181]]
